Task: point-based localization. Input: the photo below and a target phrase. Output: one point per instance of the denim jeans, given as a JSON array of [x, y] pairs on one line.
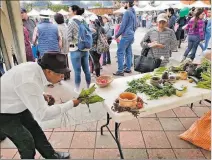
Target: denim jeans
[[106, 56], [207, 39], [125, 48], [193, 42], [80, 59]]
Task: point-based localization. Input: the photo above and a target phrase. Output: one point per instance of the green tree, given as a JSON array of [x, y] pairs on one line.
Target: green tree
[[58, 7], [98, 5]]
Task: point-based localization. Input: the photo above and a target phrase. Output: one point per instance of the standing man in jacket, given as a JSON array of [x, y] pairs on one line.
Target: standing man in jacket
[[127, 31]]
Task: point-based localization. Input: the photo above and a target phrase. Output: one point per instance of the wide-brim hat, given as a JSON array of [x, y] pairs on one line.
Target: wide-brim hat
[[54, 61], [44, 14], [107, 17]]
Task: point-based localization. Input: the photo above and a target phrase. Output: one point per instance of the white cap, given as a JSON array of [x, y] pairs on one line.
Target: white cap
[[162, 17], [93, 17], [44, 14]]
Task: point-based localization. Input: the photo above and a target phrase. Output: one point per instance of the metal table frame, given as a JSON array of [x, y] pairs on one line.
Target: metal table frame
[[116, 137]]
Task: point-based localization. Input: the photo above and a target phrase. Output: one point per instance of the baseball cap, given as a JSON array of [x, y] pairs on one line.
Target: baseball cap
[[54, 61], [162, 17], [23, 10]]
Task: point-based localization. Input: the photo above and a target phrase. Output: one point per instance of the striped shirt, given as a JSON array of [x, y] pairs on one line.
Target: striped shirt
[[167, 38], [199, 30]]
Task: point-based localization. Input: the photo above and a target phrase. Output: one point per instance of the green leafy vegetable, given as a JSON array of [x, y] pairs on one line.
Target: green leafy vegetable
[[159, 71], [87, 97]]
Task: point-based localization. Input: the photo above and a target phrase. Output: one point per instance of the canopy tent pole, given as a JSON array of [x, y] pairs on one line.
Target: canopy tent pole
[[12, 32]]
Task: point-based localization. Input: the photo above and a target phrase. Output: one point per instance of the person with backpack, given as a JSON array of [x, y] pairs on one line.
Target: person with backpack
[[127, 31], [96, 29], [80, 39], [109, 33]]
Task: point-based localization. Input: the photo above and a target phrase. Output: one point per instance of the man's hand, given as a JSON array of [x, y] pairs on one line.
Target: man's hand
[[76, 102], [49, 99], [160, 46]]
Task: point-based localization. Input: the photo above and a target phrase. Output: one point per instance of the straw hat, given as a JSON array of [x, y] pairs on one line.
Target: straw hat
[[44, 14]]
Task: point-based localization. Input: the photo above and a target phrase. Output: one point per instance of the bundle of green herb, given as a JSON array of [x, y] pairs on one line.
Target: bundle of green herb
[[87, 97]]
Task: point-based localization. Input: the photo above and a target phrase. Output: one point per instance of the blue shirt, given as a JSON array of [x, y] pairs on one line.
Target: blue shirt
[[128, 25], [208, 28]]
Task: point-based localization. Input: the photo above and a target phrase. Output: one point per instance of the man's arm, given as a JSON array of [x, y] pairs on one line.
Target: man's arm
[[173, 40], [35, 36], [123, 24], [32, 97]]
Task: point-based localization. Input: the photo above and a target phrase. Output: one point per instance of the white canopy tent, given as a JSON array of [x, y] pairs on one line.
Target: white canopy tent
[[88, 13], [162, 6], [200, 4], [148, 8], [137, 9], [179, 5], [122, 10], [33, 12], [63, 12]]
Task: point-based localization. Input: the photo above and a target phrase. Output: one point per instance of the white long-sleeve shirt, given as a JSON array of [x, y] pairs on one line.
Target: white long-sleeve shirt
[[22, 88]]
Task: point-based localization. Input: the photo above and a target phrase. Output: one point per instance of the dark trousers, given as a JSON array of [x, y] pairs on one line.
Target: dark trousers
[[95, 57], [26, 134], [67, 75], [106, 56], [144, 23]]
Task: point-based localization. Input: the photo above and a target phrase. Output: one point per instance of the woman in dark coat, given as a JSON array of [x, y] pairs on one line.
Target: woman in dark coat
[[180, 32]]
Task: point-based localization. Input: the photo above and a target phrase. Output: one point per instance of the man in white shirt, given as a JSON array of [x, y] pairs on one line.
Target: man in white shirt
[[22, 100]]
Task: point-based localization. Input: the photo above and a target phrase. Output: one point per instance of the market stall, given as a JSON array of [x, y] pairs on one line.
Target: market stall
[[153, 100]]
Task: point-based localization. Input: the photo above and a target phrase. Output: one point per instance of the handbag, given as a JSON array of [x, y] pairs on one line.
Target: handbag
[[143, 63], [102, 44]]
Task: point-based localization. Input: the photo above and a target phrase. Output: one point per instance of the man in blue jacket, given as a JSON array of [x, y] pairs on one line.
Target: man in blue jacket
[[127, 31]]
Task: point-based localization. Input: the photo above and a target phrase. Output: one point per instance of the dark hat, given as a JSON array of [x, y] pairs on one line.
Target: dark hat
[[23, 10], [54, 61]]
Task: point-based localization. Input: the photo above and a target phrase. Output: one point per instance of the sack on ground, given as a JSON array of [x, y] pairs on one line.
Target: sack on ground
[[199, 133]]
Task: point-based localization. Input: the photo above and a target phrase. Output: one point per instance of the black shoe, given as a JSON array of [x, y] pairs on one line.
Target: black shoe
[[118, 73], [126, 71], [60, 155], [109, 62]]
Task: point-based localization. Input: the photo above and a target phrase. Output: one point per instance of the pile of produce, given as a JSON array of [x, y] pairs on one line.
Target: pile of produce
[[140, 86], [205, 81], [88, 97], [135, 111], [102, 81]]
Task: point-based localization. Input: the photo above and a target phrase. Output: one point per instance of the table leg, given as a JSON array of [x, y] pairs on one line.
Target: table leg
[[116, 137], [108, 121]]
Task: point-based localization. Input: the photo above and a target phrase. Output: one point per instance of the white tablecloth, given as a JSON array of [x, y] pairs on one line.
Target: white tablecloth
[[119, 85]]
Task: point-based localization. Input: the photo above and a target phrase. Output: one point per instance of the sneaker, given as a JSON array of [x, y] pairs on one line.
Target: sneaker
[[126, 71], [118, 73]]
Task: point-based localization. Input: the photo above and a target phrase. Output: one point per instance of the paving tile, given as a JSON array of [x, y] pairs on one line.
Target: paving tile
[[48, 134], [203, 104], [189, 154], [150, 124], [7, 144], [106, 154], [48, 130], [103, 122], [135, 154], [131, 140], [83, 140], [168, 113], [161, 154], [132, 125], [66, 129], [86, 127], [200, 111], [169, 124], [155, 139], [206, 153], [7, 153], [187, 122], [81, 153], [61, 139], [105, 141], [37, 156], [149, 116], [176, 141], [184, 112]]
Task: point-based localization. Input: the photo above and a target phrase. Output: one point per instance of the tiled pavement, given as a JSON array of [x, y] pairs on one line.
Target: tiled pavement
[[155, 136]]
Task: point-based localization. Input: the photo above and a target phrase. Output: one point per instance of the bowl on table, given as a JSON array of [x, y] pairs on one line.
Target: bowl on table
[[128, 99], [104, 80]]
